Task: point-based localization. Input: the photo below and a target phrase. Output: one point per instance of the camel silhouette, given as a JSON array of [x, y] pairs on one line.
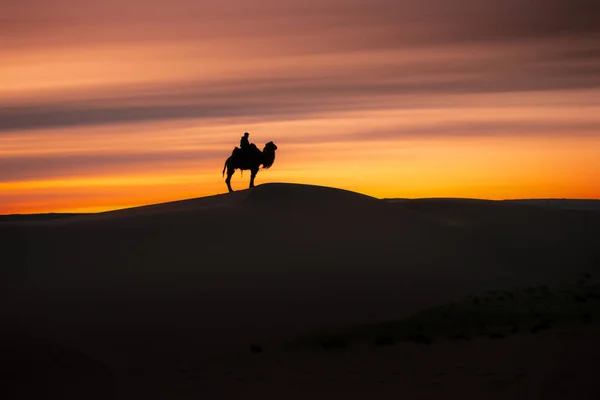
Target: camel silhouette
[[251, 159]]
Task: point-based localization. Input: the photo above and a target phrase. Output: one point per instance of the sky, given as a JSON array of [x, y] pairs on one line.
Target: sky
[[119, 103]]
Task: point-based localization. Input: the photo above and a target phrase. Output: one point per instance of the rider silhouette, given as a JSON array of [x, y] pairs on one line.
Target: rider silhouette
[[244, 142]]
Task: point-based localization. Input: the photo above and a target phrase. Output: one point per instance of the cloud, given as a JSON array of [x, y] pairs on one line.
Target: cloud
[[286, 59], [41, 166], [483, 129], [378, 22], [385, 80]]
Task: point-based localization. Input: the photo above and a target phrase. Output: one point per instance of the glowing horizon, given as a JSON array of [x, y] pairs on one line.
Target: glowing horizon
[[125, 103]]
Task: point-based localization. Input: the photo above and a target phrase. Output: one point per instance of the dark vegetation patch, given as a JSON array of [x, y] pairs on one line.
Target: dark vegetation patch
[[493, 315]]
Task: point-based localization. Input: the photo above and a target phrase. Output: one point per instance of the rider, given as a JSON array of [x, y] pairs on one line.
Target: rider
[[244, 142]]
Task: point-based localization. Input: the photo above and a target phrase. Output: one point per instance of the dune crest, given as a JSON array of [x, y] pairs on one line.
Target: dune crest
[[306, 198]]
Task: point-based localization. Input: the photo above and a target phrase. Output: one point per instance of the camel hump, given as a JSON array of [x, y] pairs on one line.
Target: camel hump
[[251, 151]]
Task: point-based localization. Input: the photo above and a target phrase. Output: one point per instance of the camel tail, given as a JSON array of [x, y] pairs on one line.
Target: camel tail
[[225, 167]]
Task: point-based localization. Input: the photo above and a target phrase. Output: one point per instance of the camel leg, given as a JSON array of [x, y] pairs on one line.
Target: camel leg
[[230, 172], [252, 176]]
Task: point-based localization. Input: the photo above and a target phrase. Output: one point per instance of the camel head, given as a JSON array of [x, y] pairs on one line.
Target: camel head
[[270, 147], [269, 155]]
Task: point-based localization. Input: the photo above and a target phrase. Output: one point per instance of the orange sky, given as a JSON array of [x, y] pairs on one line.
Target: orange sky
[[113, 104]]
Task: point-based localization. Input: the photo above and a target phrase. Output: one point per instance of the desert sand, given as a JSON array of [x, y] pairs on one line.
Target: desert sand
[[169, 300]]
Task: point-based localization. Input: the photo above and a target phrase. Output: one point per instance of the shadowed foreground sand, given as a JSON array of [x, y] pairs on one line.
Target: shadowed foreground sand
[[126, 297]]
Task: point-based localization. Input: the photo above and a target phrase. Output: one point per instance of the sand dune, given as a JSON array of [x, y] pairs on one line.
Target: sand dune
[[33, 365], [203, 276]]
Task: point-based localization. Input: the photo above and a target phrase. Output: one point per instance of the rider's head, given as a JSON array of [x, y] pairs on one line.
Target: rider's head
[[246, 134]]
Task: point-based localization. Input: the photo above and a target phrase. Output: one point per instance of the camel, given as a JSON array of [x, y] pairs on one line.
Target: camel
[[252, 160]]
